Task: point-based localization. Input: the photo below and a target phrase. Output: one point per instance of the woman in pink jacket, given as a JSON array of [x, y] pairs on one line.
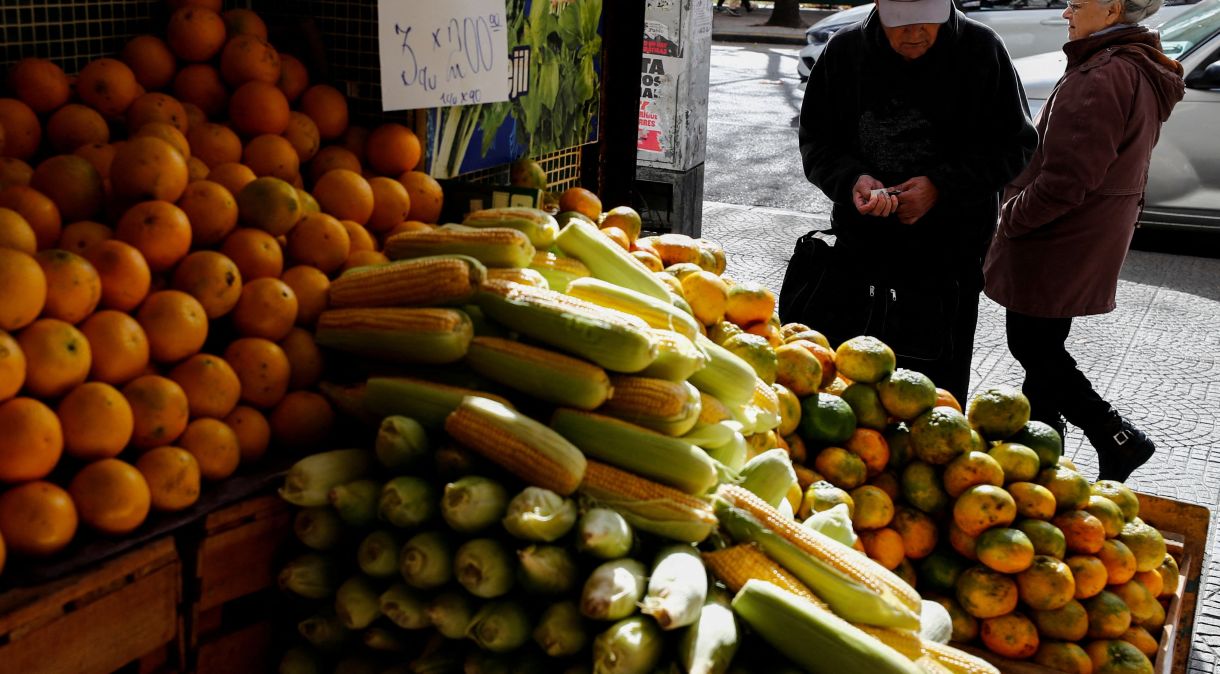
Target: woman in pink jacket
[[1068, 219]]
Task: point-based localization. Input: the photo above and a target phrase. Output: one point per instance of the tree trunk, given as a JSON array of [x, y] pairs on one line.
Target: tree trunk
[[786, 13]]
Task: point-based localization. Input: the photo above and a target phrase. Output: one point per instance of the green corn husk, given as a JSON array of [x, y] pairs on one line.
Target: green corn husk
[[677, 357], [357, 603], [834, 523], [631, 646], [377, 554], [561, 630], [613, 590], [300, 660], [677, 587], [547, 569], [473, 503], [484, 567], [358, 664], [769, 476], [324, 631], [709, 645], [447, 661], [310, 480], [407, 502], [356, 502], [450, 613], [732, 453], [401, 442], [500, 627], [404, 607], [318, 527], [348, 400], [603, 533], [538, 514], [385, 640], [426, 561], [311, 575]]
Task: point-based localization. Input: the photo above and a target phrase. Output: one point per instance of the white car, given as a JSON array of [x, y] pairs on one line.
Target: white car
[[1184, 175], [1027, 26]]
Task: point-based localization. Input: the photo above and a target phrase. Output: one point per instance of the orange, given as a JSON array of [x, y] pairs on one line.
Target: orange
[[41, 84], [108, 86], [302, 420], [13, 171], [195, 33], [160, 410], [215, 144], [57, 357], [410, 226], [1033, 500], [1012, 636], [73, 184], [176, 325], [73, 285], [37, 519], [119, 347], [232, 176], [302, 134], [874, 508], [841, 468], [707, 295], [258, 107], [25, 289], [267, 308], [364, 258], [652, 262], [971, 469], [270, 204], [211, 386], [870, 446], [111, 496], [426, 196], [1109, 615], [16, 233], [984, 593], [214, 446], [195, 170], [356, 139], [1004, 550], [211, 211], [123, 273], [305, 359], [1143, 605], [344, 194], [168, 133], [330, 158], [82, 235], [200, 84], [12, 367], [884, 546], [584, 202], [1047, 584], [1145, 542], [32, 441], [101, 155], [252, 429], [97, 421], [159, 230], [319, 240], [150, 60], [22, 131], [294, 78], [391, 204], [262, 367], [1108, 512], [1142, 640], [392, 149], [269, 155], [1149, 579], [212, 279], [1118, 560], [247, 58], [256, 253], [1084, 533], [156, 107], [39, 212], [961, 542], [1063, 656], [1069, 622], [984, 506], [172, 474], [917, 529], [148, 168], [195, 116], [749, 302], [327, 108], [361, 240], [75, 125], [1070, 488], [1090, 575], [310, 286]]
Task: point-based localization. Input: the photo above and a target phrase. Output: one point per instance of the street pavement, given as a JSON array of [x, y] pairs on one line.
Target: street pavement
[[1155, 357]]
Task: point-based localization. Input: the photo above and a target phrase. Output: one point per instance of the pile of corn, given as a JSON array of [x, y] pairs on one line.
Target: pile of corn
[[561, 481]]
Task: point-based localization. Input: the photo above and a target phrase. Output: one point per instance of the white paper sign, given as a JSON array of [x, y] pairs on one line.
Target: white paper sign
[[438, 54]]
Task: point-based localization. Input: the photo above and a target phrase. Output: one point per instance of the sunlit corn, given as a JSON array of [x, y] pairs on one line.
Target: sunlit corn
[[493, 246], [648, 505], [400, 335], [667, 407], [542, 373], [421, 282]]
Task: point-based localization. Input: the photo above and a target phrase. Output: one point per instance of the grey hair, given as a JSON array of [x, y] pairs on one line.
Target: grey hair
[[1135, 11]]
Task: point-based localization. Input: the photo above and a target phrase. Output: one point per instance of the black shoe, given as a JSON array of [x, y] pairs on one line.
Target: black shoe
[[1121, 448]]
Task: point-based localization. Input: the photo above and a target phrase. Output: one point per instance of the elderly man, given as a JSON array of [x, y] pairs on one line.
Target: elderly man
[[912, 123]]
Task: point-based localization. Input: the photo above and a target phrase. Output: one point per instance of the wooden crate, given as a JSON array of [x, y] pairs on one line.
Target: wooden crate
[[121, 613], [1184, 526]]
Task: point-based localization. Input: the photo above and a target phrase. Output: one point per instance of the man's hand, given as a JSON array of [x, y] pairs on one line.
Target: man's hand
[[918, 196], [869, 201]]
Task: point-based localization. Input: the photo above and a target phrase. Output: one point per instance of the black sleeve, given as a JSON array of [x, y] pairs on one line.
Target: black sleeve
[[825, 149]]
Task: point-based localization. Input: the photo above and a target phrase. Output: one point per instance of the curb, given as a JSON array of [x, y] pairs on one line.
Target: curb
[[757, 37]]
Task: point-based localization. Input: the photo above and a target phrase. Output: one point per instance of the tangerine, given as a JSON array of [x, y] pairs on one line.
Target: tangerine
[[172, 474], [37, 518], [97, 421], [119, 347], [111, 496]]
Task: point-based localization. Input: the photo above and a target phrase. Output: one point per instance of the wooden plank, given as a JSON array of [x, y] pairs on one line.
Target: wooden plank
[[239, 556], [245, 651]]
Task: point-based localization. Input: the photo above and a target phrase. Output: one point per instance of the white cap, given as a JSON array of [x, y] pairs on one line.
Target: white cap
[[896, 13]]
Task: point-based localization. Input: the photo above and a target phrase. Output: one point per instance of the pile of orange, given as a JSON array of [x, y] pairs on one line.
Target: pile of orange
[[162, 263]]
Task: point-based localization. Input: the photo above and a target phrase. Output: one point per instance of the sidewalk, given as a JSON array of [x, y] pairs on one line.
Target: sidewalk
[[749, 27]]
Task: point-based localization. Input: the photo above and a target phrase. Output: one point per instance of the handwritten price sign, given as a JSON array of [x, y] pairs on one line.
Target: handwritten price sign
[[438, 54]]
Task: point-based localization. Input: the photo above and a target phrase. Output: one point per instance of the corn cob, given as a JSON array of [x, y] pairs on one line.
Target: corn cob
[[609, 338], [767, 401], [424, 281], [656, 313], [726, 376], [739, 563], [493, 246], [813, 637], [542, 373], [559, 271], [433, 336], [537, 224], [671, 461], [677, 357], [930, 665], [713, 411], [957, 661], [647, 505], [425, 401], [669, 407], [523, 275], [524, 447], [607, 261]]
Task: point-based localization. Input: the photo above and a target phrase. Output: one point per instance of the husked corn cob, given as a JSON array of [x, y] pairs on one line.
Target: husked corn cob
[[726, 376], [671, 461], [656, 313], [930, 665], [739, 563], [537, 224], [677, 357], [527, 449], [544, 374], [607, 260], [713, 411], [424, 281], [559, 271], [427, 402], [493, 246], [957, 661], [612, 339], [669, 407], [523, 275], [433, 336], [906, 642], [647, 505]]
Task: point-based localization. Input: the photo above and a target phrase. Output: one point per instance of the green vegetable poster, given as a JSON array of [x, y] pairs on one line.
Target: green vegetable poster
[[554, 82]]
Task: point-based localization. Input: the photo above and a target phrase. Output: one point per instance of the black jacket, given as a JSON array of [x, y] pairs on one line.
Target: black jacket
[[957, 115]]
